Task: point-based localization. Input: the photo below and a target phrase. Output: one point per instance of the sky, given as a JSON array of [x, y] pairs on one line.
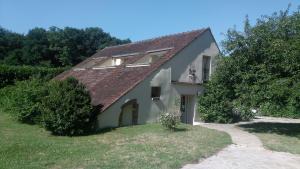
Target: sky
[[137, 19]]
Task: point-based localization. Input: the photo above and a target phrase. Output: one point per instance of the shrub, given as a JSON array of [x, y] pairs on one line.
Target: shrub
[[67, 109], [242, 112], [171, 118], [284, 99], [23, 100], [10, 74], [261, 71]]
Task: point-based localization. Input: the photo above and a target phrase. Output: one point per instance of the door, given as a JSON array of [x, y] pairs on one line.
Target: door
[[127, 115], [187, 109], [183, 109]]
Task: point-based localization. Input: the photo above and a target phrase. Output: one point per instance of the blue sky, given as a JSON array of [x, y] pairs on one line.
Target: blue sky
[[137, 19]]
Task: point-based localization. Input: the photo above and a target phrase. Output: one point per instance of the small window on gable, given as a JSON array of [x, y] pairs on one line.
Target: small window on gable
[[155, 93], [206, 68]]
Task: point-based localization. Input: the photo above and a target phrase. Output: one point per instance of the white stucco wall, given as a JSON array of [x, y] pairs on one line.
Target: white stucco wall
[[176, 69]]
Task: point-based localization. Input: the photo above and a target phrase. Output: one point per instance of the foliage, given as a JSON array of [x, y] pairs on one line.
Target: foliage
[[54, 47], [10, 74], [171, 118], [67, 109], [261, 72], [23, 100], [63, 107]]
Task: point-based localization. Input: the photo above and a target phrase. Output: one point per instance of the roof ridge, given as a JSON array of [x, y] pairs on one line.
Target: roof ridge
[[158, 37]]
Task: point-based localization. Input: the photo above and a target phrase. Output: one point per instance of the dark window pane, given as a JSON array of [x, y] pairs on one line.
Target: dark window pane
[[155, 92], [206, 68]]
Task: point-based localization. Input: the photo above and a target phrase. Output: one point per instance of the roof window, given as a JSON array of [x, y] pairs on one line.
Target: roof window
[[116, 61], [150, 57], [111, 62]]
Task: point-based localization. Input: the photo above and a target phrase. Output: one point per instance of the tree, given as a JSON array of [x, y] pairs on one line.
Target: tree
[[54, 47], [35, 50], [9, 42], [261, 71]]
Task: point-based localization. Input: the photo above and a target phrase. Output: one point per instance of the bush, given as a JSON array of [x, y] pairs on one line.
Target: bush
[[67, 109], [260, 72], [63, 107], [10, 74], [284, 99], [170, 120], [242, 112], [23, 100], [217, 103]]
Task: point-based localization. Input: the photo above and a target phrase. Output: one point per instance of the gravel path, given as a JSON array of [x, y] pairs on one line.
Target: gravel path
[[247, 151]]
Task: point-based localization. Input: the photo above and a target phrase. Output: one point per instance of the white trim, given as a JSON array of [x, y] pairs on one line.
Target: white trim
[[155, 98], [159, 50], [137, 65], [103, 67], [127, 54], [78, 69], [101, 57]]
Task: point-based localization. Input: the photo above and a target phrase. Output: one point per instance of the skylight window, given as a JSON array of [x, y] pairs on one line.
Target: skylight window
[[116, 61], [110, 62], [150, 57]]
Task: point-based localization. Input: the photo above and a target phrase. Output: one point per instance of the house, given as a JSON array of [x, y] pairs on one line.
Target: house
[[135, 82]]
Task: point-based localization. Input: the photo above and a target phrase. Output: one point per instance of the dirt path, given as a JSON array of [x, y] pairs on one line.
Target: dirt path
[[247, 151]]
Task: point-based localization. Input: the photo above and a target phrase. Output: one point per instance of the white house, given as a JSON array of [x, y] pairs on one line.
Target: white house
[[135, 82]]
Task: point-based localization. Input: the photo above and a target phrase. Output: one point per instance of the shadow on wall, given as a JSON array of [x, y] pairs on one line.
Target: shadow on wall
[[288, 129], [160, 105]]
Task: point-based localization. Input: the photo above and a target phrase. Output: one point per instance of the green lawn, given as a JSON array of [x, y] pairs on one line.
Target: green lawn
[[144, 146], [283, 137]]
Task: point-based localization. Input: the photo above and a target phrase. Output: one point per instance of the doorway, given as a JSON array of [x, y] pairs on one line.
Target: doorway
[[129, 114], [187, 109]]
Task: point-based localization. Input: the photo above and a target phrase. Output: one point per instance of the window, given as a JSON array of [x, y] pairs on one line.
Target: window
[[182, 104], [116, 61], [149, 57], [205, 68], [155, 93]]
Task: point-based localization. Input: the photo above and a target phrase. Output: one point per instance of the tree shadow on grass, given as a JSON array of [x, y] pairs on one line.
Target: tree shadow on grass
[[180, 129], [288, 129]]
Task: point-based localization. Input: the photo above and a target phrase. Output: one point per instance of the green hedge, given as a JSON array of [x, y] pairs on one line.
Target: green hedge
[[23, 100], [10, 74], [62, 107]]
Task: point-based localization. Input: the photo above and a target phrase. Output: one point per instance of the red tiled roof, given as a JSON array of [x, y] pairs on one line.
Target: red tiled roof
[[107, 85]]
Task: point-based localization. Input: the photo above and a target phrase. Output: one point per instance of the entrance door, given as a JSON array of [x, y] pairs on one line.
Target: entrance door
[[187, 109], [129, 114]]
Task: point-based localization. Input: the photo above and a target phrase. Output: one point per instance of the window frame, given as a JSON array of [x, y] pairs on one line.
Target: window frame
[[114, 61], [155, 95], [206, 74]]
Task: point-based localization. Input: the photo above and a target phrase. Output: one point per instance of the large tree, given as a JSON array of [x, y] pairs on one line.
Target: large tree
[[53, 47], [261, 71]]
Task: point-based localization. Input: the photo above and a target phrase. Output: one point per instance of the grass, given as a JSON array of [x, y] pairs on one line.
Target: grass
[[284, 137], [144, 146]]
